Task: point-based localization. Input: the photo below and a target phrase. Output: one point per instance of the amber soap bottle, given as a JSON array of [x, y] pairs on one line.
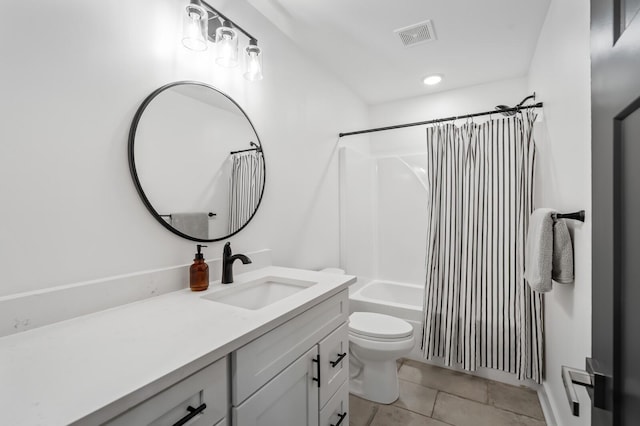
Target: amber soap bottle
[[199, 272]]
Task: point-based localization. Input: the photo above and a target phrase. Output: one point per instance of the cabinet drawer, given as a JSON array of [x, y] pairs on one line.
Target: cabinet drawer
[[337, 408], [290, 399], [257, 362], [207, 386], [334, 362]]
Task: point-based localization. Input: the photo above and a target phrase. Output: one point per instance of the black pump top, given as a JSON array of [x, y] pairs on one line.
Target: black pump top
[[199, 255]]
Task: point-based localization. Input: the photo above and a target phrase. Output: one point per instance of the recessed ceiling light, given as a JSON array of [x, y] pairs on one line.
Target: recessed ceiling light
[[432, 79]]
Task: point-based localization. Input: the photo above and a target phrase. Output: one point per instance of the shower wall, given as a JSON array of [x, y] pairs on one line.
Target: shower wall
[[383, 211], [402, 217], [357, 213]]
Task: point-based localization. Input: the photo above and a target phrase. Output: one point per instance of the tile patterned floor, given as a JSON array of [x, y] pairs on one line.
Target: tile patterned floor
[[434, 396]]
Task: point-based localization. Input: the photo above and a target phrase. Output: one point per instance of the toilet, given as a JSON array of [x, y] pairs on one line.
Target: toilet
[[376, 341]]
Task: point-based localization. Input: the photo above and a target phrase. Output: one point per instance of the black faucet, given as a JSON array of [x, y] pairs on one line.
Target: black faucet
[[227, 263]]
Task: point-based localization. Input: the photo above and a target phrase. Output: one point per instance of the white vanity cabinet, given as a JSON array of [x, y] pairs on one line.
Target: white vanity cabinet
[[200, 399], [290, 398], [297, 373]]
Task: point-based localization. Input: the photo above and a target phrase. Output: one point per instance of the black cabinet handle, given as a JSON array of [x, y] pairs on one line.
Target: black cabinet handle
[[342, 416], [335, 363], [192, 413], [317, 361]]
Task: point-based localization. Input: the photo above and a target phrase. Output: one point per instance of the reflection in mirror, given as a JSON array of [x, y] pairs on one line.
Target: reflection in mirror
[[197, 161]]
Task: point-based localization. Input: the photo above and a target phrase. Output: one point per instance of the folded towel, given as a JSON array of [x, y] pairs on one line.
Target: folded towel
[[562, 271], [195, 225], [539, 250]]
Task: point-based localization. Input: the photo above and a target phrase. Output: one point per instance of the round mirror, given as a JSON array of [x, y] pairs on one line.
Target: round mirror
[[196, 161]]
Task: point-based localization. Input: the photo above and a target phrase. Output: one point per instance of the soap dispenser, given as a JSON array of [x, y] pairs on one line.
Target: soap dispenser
[[199, 272]]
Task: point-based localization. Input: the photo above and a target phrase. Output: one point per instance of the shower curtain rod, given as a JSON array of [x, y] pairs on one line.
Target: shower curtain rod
[[440, 120]]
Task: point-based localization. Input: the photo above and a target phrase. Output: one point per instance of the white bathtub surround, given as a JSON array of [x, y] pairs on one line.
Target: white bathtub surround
[[97, 366], [25, 311]]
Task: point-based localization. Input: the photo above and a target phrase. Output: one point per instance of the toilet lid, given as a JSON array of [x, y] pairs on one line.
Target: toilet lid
[[379, 325]]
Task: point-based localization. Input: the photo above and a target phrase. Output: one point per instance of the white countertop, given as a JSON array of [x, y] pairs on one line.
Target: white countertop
[[93, 367]]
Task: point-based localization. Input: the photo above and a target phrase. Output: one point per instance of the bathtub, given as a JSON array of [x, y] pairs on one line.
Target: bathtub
[[400, 300]]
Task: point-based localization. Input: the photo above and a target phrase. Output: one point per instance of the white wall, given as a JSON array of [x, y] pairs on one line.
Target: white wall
[[560, 75], [73, 74], [443, 104]]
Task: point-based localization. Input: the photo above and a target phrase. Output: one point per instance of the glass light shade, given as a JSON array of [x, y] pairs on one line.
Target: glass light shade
[[253, 62], [194, 28], [227, 41]]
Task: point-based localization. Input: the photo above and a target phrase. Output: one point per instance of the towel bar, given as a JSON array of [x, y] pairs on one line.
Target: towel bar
[[169, 216], [254, 147]]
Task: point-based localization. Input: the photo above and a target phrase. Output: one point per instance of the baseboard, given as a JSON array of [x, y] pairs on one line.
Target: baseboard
[[547, 409]]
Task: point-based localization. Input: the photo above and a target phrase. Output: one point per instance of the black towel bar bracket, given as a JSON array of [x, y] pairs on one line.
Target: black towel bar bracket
[[575, 216]]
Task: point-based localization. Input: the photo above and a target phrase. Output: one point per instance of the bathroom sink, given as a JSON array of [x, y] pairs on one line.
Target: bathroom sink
[[259, 293]]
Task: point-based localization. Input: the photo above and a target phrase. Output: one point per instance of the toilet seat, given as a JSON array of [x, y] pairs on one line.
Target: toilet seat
[[379, 327]]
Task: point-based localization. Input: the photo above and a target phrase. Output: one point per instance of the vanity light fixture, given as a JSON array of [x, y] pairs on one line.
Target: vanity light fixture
[[432, 79], [194, 28], [227, 42], [202, 22], [253, 61]]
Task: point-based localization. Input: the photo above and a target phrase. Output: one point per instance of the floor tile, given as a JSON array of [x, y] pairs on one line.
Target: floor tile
[[463, 412], [417, 398], [450, 381], [517, 399], [388, 415], [361, 411]]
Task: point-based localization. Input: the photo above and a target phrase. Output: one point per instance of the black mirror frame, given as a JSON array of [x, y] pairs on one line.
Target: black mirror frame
[[134, 172]]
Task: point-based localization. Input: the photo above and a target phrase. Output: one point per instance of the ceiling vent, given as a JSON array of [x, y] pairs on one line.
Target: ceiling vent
[[419, 33]]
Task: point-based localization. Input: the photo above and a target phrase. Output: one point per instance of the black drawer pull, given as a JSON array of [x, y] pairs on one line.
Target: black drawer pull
[[192, 413], [317, 379], [342, 416], [335, 363]]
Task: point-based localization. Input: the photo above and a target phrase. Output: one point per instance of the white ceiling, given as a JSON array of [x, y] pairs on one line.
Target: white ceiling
[[478, 41]]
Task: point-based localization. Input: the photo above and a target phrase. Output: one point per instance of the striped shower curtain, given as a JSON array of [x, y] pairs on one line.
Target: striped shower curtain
[[245, 187], [478, 309]]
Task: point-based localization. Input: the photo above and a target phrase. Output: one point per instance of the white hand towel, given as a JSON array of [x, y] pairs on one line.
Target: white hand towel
[[562, 271], [539, 250]]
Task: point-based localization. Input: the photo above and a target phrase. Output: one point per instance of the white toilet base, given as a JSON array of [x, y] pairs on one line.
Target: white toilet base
[[373, 368], [378, 382]]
